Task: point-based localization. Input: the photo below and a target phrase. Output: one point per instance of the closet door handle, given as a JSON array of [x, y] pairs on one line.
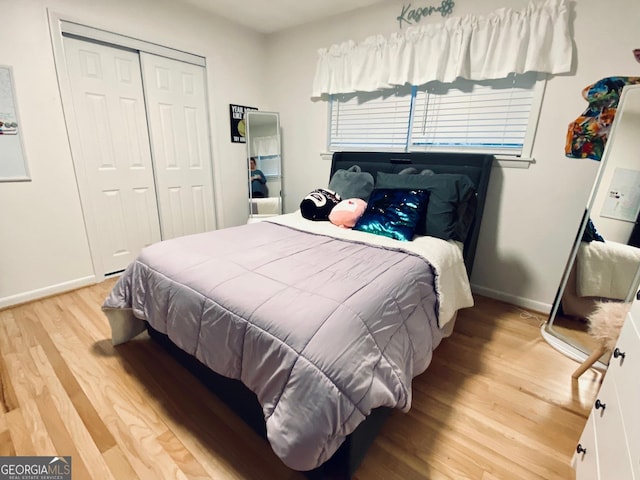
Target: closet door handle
[[601, 405], [618, 353], [581, 449]]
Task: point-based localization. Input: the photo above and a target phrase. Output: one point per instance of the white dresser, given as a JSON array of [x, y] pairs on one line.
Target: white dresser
[[609, 448]]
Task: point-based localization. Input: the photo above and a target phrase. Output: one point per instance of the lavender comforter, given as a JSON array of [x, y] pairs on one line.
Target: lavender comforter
[[322, 329]]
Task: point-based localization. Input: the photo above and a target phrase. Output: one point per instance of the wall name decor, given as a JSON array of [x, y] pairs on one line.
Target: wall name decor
[[412, 16]]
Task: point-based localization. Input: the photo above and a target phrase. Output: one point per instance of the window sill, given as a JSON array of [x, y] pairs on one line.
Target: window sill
[[505, 161]]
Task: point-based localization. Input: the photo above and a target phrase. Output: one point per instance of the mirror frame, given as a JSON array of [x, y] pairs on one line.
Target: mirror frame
[[255, 119], [568, 348]]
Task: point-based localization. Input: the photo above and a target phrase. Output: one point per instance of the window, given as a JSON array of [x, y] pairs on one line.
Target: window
[[497, 117], [266, 150], [374, 121], [269, 165]]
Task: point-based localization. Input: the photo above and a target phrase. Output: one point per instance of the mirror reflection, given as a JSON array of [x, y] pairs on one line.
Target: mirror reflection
[[605, 258], [258, 180], [264, 164]]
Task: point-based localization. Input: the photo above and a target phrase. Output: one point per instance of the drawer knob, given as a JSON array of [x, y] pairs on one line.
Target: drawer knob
[[617, 353], [601, 405], [581, 449]]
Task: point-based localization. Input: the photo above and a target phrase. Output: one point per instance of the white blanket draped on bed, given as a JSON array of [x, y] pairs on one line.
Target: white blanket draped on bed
[[606, 269]]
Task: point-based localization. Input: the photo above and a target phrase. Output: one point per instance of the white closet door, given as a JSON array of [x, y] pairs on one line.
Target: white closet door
[[176, 107], [113, 161]]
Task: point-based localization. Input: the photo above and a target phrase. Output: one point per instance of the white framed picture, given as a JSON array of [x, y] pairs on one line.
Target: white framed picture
[[623, 197]]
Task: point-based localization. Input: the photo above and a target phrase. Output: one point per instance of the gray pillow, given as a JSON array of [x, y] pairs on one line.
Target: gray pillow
[[451, 205], [352, 183], [414, 171]]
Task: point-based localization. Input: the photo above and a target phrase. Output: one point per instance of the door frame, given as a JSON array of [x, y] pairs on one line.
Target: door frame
[[60, 25]]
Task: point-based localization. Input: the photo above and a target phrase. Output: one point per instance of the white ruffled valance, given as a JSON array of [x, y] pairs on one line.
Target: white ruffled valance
[[472, 47]]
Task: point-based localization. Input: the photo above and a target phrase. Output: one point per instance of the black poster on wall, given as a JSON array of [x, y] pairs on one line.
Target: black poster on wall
[[238, 128]]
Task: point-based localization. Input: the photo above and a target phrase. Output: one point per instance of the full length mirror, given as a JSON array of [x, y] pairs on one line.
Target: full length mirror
[[605, 257], [264, 164]]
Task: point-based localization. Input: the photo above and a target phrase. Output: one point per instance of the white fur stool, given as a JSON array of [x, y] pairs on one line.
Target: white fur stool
[[605, 324]]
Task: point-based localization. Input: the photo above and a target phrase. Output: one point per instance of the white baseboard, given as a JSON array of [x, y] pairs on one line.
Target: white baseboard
[[512, 299], [46, 291]]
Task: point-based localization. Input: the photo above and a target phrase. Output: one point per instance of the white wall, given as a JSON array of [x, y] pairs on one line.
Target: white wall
[[532, 215], [43, 244]]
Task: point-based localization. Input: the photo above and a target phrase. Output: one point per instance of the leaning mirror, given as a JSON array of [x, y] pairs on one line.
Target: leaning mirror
[[264, 164], [605, 257]]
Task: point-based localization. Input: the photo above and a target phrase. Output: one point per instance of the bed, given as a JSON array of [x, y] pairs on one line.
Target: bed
[[292, 324]]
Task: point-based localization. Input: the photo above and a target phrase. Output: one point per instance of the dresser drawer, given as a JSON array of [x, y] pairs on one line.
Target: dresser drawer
[[585, 459], [624, 369], [613, 452], [609, 447]]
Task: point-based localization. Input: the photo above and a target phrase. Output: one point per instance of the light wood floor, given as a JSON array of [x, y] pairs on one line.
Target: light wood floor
[[496, 403]]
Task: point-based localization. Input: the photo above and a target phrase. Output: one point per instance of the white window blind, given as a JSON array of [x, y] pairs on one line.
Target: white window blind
[[490, 116], [494, 116], [370, 121]]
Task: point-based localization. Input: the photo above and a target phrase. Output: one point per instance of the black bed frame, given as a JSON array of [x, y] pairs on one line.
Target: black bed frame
[[244, 402]]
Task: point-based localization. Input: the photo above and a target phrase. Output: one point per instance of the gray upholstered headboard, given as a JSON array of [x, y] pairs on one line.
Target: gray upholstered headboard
[[477, 167]]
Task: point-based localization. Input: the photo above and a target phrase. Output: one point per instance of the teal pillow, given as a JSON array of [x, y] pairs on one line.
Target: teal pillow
[[394, 213], [451, 201]]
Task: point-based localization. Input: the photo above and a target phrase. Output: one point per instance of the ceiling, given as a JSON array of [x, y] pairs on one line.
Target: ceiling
[[275, 15]]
